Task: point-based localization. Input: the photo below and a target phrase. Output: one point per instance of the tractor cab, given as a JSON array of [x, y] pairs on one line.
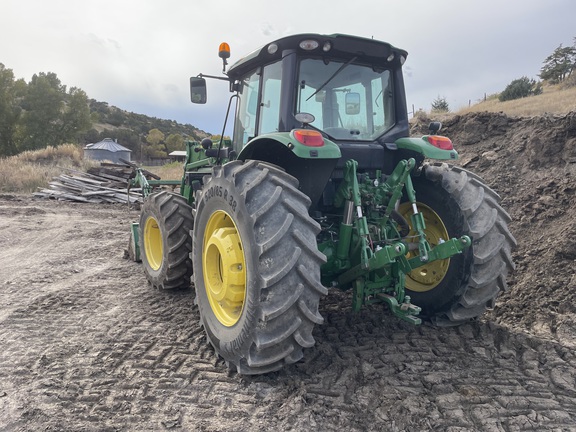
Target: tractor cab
[[351, 87], [309, 102]]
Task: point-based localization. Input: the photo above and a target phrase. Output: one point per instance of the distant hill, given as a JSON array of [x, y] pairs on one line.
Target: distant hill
[[130, 129], [45, 113]]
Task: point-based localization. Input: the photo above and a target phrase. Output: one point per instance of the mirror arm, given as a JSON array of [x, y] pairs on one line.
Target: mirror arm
[[218, 159], [213, 77]]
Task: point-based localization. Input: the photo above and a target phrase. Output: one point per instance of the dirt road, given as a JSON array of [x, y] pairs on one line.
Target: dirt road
[[86, 345]]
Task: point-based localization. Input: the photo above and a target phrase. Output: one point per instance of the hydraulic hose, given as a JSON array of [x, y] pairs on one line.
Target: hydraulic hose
[[402, 222]]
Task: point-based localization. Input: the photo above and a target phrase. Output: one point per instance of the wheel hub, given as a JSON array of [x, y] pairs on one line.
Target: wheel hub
[[428, 276], [224, 269], [153, 243]]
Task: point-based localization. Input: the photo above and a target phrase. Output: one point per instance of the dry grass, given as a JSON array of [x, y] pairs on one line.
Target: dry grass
[[171, 171], [30, 170], [554, 100]]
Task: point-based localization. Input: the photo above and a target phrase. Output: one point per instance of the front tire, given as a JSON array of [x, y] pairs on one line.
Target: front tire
[[165, 243], [456, 202], [257, 266]]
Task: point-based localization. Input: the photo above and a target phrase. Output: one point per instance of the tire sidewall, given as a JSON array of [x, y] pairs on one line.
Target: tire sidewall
[[220, 194], [150, 209]]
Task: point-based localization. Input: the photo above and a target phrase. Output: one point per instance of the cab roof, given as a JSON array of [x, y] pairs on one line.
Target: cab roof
[[336, 46]]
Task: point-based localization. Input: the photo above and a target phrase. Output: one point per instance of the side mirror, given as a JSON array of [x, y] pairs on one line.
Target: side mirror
[[435, 127], [198, 90], [352, 102]]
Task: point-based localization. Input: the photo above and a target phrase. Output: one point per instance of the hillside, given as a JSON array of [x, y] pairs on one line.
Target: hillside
[[130, 129], [531, 163], [46, 113], [555, 99]]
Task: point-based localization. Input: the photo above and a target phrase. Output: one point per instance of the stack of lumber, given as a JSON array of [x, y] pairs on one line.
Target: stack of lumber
[[105, 184]]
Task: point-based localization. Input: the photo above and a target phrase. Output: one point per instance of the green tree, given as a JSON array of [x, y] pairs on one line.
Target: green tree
[[76, 117], [42, 120], [154, 137], [116, 117], [175, 142], [156, 147], [440, 104], [90, 136], [520, 88], [559, 65], [128, 138], [9, 112]]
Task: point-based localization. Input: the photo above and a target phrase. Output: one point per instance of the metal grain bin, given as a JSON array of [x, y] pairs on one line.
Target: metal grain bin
[[108, 150]]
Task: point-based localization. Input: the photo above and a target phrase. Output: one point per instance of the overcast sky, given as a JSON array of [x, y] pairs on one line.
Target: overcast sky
[[139, 55]]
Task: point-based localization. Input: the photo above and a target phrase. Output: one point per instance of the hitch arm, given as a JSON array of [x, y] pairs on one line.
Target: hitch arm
[[380, 259], [442, 251]]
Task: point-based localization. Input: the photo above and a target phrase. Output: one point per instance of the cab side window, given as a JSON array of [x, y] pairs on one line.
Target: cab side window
[[270, 103], [247, 108]]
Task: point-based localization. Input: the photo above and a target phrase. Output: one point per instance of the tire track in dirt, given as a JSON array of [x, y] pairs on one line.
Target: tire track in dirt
[[100, 350]]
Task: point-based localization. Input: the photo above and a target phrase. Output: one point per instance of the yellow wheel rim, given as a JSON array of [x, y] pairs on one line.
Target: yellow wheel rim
[[224, 268], [153, 243], [428, 276]]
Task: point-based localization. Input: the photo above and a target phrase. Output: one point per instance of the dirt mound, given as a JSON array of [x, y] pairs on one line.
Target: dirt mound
[[531, 163]]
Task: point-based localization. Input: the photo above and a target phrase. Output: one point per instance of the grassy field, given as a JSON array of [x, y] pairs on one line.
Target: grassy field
[[171, 171], [29, 170], [553, 100]]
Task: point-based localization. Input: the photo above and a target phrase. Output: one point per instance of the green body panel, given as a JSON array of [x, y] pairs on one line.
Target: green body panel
[[135, 241], [327, 151], [196, 154], [422, 146], [164, 182]]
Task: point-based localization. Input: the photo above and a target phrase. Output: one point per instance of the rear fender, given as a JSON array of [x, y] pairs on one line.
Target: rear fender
[[312, 166], [423, 146], [268, 143]]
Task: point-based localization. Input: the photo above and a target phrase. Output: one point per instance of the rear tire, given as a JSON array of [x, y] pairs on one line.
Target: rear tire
[[472, 280], [257, 266], [165, 243]]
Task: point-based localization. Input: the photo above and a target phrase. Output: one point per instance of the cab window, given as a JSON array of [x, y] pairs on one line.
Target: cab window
[[348, 101], [270, 102], [245, 126]]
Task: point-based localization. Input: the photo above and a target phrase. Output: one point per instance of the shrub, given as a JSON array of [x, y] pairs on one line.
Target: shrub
[[519, 88], [440, 104]]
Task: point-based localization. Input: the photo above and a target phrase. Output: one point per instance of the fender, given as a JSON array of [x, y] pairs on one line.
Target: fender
[[430, 146], [264, 144], [311, 165]]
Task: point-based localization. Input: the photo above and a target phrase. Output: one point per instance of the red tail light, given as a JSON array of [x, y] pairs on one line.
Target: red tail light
[[441, 142], [309, 138]]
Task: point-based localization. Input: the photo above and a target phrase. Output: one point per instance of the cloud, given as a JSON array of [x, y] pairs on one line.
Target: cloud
[[267, 29], [138, 55]]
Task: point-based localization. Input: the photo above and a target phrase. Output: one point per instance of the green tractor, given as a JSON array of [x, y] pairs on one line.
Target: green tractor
[[320, 188]]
